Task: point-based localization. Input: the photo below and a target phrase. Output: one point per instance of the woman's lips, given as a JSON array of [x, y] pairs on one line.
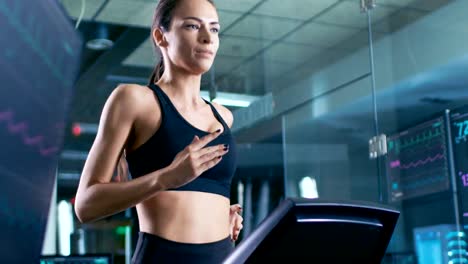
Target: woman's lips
[[204, 53]]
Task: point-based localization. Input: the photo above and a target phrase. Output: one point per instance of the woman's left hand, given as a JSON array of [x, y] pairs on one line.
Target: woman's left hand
[[235, 220]]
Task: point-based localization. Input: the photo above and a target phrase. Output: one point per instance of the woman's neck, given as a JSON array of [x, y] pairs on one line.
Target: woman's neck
[[183, 88]]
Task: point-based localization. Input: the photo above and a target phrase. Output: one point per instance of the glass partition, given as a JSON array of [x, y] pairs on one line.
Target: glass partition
[[326, 136], [419, 71], [306, 66]]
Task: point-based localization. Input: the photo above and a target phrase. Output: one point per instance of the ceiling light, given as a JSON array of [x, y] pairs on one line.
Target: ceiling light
[[100, 39], [230, 99], [99, 44]]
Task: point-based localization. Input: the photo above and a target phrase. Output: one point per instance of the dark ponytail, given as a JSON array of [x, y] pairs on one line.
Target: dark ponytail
[[157, 72]]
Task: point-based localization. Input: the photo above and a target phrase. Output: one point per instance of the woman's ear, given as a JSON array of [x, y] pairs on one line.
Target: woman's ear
[[159, 37]]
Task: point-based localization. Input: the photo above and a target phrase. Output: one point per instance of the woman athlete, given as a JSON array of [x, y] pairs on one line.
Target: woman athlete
[[179, 148]]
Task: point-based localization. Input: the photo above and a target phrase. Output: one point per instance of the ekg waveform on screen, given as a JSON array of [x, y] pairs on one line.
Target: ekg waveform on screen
[[398, 164], [20, 128], [416, 162]]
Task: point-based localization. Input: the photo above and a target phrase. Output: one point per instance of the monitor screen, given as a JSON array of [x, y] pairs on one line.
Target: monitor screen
[[416, 162], [459, 129], [38, 67]]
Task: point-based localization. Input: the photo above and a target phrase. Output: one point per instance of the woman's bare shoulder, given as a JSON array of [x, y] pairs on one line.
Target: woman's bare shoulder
[[225, 113], [132, 96], [131, 92]]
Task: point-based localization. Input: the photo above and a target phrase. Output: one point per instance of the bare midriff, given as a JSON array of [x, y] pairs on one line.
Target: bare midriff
[[185, 216]]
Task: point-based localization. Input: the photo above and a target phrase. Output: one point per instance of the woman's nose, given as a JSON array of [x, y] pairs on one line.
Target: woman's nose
[[206, 37]]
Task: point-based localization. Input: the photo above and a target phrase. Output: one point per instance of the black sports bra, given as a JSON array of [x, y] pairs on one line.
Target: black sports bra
[[173, 135]]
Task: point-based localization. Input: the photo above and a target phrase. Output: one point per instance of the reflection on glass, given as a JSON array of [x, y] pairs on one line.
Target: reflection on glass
[[308, 187]]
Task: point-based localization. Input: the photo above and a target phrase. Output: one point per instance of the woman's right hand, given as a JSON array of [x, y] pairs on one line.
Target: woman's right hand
[[193, 160]]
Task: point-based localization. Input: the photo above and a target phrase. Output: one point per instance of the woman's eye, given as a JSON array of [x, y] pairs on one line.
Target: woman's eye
[[193, 26], [215, 30]]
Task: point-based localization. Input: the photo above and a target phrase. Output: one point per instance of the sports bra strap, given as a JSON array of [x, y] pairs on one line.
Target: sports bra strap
[[217, 115], [163, 101]]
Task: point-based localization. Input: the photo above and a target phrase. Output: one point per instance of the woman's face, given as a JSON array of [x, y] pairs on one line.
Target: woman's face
[[192, 41]]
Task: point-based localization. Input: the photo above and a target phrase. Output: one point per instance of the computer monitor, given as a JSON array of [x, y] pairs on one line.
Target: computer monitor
[[75, 259], [417, 163], [459, 132], [39, 63], [317, 231]]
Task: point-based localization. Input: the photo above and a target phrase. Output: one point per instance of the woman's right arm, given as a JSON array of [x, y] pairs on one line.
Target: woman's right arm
[[97, 196]]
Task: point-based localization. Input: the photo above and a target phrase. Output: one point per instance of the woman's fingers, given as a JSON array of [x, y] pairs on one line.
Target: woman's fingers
[[195, 139], [235, 208], [214, 154], [236, 233], [196, 158], [208, 150], [232, 229], [210, 163], [202, 142], [237, 225]]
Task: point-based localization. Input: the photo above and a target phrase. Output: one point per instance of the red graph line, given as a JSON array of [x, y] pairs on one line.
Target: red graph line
[[417, 163], [21, 129]]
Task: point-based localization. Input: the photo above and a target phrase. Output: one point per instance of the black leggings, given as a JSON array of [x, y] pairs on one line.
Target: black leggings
[[155, 249]]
